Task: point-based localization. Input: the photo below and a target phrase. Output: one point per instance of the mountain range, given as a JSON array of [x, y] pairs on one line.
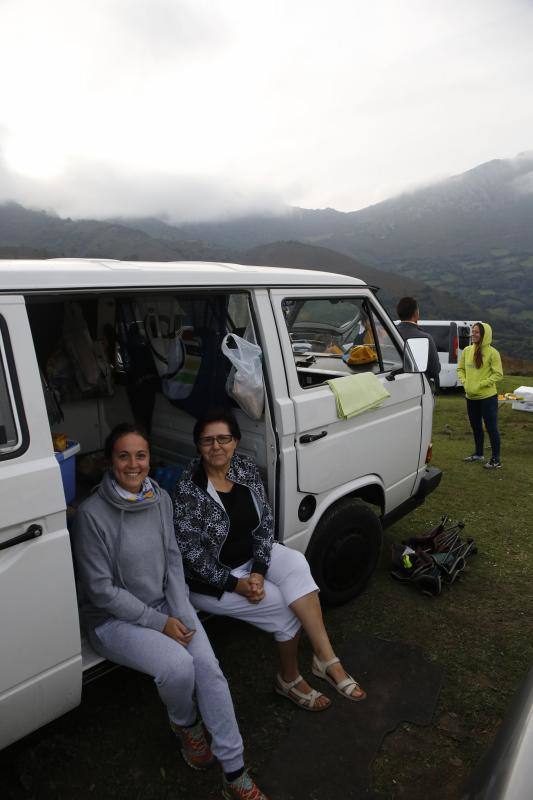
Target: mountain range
[[463, 246]]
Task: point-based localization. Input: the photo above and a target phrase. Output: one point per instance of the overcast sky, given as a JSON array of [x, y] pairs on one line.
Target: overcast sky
[[205, 108]]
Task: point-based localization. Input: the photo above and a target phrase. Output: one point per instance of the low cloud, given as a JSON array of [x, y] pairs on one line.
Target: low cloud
[[204, 109], [100, 191]]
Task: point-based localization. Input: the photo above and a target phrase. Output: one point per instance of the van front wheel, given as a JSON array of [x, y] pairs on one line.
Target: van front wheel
[[344, 550]]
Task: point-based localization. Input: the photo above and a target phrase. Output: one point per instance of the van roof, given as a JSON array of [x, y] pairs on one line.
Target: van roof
[[93, 273], [446, 321]]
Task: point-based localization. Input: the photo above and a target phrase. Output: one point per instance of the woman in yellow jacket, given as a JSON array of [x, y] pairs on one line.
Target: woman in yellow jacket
[[479, 370]]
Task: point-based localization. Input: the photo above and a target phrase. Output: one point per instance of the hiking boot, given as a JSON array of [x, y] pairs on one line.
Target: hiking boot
[[493, 464], [242, 788], [474, 457], [194, 747]]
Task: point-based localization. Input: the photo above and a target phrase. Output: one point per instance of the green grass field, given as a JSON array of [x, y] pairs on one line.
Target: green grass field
[[481, 628]]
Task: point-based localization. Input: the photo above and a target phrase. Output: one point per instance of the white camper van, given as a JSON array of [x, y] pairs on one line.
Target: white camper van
[[451, 338], [87, 344]]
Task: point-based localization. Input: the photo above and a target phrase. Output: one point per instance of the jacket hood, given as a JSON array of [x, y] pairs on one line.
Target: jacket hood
[[487, 336], [108, 493]]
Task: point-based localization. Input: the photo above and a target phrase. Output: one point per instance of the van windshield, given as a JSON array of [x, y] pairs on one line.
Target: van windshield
[[325, 325]]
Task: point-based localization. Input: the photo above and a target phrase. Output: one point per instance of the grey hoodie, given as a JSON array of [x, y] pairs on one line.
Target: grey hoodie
[[128, 561]]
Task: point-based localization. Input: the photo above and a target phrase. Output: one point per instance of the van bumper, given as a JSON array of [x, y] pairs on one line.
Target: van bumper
[[428, 483], [431, 478]]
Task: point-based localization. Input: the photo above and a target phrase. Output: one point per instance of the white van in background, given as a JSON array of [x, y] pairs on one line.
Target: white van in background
[[100, 335], [451, 338]]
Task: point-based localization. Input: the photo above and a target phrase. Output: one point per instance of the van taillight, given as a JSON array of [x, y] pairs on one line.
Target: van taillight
[[455, 350], [429, 453]]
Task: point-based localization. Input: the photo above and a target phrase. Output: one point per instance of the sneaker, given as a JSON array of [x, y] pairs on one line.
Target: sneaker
[[194, 747], [242, 788], [474, 458], [493, 464]]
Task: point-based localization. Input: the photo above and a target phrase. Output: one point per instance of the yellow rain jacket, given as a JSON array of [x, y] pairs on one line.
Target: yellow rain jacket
[[480, 383]]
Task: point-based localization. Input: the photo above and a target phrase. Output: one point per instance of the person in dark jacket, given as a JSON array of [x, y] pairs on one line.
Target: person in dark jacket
[[409, 314], [225, 532], [137, 612]]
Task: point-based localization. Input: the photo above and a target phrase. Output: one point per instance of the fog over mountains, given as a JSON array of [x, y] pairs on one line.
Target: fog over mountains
[[488, 207], [464, 245]]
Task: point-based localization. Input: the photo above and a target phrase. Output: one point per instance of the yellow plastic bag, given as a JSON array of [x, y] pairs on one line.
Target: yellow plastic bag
[[360, 354]]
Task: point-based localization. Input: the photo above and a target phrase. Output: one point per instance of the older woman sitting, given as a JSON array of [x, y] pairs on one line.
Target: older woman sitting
[[224, 528]]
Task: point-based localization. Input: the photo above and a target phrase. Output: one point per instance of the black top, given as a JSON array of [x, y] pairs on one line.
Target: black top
[[410, 330], [240, 508]]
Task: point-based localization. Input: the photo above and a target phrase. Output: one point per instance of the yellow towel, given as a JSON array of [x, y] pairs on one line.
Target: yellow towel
[[357, 393]]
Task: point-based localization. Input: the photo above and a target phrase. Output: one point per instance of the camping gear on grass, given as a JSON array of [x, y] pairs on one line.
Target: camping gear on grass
[[436, 557]]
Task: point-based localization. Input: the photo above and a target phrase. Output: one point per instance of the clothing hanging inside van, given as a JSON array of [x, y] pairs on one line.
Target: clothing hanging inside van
[[201, 381], [172, 345]]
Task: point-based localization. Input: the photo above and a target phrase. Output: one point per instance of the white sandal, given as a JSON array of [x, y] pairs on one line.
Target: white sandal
[[301, 699], [344, 687]]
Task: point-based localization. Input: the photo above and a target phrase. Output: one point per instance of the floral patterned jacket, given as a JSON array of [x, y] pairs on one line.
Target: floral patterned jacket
[[202, 525]]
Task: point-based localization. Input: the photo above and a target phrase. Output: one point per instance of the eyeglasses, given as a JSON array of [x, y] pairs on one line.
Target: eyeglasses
[[209, 441]]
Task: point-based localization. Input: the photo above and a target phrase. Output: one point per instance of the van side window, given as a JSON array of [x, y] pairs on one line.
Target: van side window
[[441, 336], [337, 336], [390, 357], [10, 431]]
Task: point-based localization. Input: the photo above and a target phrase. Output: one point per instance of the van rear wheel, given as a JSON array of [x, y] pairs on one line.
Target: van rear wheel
[[344, 550]]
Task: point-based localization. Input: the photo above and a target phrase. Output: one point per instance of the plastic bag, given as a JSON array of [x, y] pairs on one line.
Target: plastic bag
[[184, 361], [360, 354], [176, 350], [245, 380]]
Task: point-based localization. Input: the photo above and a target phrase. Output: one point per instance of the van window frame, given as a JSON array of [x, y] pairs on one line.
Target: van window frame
[[14, 395], [373, 314]]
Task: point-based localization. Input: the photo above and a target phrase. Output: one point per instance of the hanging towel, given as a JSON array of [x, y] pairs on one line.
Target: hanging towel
[[357, 393]]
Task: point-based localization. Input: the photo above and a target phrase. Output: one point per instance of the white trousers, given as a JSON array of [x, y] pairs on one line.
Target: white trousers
[[287, 579]]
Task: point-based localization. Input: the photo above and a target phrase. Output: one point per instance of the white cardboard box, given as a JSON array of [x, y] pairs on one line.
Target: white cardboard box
[[526, 403], [522, 406]]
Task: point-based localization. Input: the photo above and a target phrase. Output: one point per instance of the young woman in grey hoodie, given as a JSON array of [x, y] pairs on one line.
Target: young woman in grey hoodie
[[136, 609]]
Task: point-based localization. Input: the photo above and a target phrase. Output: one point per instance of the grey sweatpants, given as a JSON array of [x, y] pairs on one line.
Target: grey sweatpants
[[187, 678]]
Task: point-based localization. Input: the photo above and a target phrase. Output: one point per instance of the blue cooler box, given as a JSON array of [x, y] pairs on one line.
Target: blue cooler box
[[67, 465]]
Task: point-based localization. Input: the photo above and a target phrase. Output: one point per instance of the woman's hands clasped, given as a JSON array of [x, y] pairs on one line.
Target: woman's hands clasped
[[252, 587], [178, 631]]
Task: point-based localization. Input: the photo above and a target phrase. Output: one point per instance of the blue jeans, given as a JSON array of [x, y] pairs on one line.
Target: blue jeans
[[485, 411]]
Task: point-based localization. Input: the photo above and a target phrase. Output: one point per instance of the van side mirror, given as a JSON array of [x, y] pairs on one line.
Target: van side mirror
[[415, 355]]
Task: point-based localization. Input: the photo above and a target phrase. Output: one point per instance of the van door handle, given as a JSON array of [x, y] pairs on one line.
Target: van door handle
[[33, 532], [312, 437]]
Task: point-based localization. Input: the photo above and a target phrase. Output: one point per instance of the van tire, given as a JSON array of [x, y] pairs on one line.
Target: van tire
[[344, 550]]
